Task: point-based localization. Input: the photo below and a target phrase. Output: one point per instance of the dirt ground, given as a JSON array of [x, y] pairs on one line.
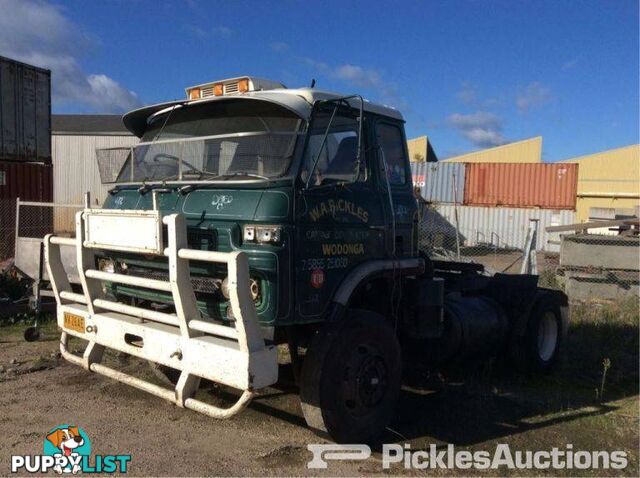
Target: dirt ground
[[39, 390]]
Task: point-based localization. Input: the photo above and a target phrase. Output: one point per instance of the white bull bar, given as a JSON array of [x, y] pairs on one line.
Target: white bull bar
[[234, 356]]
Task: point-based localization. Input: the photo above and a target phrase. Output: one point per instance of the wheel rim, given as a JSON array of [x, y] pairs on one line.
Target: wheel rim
[[365, 380], [547, 336]]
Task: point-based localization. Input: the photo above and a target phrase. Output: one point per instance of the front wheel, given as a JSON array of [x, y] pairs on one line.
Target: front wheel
[[351, 378]]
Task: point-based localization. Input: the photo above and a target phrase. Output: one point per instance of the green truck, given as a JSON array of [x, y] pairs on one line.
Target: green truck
[[251, 216]]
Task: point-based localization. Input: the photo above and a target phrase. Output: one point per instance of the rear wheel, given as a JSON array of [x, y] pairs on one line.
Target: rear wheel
[[350, 379], [544, 335]]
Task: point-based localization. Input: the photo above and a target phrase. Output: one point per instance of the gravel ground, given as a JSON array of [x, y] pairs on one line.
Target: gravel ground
[[39, 390]]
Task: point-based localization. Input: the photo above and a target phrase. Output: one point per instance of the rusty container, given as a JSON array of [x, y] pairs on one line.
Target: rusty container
[[29, 182], [548, 186]]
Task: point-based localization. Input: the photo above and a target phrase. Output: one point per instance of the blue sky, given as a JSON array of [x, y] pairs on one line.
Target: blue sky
[[469, 74]]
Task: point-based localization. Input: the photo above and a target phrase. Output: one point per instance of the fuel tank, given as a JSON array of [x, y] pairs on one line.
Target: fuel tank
[[474, 326]]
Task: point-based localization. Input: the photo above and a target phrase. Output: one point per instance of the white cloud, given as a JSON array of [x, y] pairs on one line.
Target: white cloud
[[279, 46], [482, 128], [198, 32], [39, 34], [467, 94], [482, 119], [222, 31], [569, 64], [358, 76], [105, 89], [533, 96]]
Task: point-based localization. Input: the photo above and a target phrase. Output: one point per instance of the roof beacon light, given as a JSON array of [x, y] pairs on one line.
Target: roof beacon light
[[231, 87]]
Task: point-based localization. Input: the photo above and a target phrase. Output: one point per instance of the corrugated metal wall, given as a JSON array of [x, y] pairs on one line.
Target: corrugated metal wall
[[417, 148], [609, 179], [550, 186], [509, 226], [526, 151], [440, 182], [25, 112], [76, 171]]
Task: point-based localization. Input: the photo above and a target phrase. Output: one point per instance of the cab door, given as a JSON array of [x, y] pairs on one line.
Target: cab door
[[400, 207], [339, 215]]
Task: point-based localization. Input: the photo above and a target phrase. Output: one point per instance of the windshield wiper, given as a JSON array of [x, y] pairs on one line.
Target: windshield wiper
[[243, 173]]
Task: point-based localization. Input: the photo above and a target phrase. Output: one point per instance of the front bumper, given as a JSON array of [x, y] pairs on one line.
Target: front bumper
[[236, 356]]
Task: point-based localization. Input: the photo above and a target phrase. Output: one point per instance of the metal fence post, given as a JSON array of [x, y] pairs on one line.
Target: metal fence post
[[17, 227], [529, 261]]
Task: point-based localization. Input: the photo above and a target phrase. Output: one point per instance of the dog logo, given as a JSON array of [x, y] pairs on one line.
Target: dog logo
[[67, 450], [70, 442]]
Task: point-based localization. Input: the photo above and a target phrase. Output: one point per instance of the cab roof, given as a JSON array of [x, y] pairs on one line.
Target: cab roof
[[299, 101]]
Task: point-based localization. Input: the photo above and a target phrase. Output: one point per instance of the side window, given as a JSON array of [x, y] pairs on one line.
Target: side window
[[390, 140], [336, 159]]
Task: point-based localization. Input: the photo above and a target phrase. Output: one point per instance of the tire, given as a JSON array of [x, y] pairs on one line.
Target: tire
[[350, 379], [543, 338]]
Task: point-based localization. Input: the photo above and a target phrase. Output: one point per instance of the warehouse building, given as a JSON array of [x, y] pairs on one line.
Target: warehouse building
[[420, 150], [608, 183], [74, 140], [525, 151]]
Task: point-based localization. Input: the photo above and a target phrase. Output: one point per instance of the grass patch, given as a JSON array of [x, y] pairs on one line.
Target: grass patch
[[603, 340]]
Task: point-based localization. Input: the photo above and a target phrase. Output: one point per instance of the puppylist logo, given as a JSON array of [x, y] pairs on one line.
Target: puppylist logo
[[67, 449]]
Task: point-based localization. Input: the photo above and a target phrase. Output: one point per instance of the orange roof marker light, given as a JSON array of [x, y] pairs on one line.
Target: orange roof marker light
[[231, 87]]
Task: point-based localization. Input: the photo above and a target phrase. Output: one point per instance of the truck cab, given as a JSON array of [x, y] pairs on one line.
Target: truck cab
[[250, 216], [309, 184]]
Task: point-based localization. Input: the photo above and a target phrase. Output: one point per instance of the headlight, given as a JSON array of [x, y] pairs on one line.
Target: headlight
[[224, 288], [254, 288], [262, 234]]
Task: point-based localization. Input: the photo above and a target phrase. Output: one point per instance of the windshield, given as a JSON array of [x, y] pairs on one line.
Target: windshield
[[243, 138]]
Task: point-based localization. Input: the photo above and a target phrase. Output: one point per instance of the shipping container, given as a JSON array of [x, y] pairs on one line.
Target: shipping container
[[504, 228], [439, 182], [25, 112], [548, 186], [29, 182]]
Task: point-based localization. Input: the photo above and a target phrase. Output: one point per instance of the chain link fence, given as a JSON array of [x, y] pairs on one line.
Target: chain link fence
[[35, 220], [497, 241], [7, 228], [501, 240], [597, 261]]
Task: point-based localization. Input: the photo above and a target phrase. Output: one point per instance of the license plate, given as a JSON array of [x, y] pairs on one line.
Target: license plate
[[74, 322]]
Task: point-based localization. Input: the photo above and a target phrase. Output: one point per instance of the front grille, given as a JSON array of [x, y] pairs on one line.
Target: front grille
[[207, 285]]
